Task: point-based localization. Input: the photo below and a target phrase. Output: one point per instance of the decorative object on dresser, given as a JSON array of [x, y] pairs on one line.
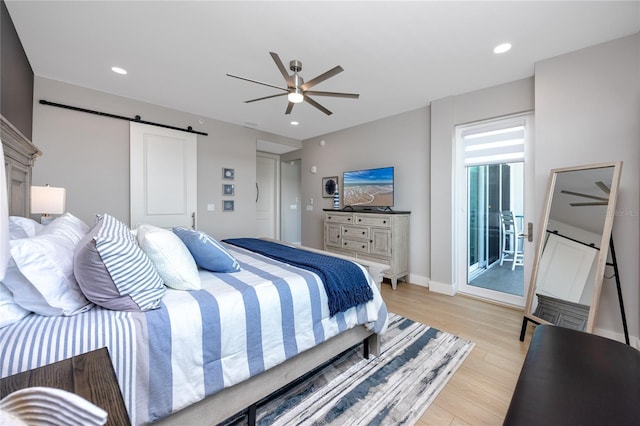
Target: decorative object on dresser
[[573, 245], [378, 236]]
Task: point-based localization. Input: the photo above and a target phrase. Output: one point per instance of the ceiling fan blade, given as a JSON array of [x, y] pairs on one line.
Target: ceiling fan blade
[[599, 203], [603, 187], [317, 105], [593, 197], [334, 94], [258, 82], [289, 108], [322, 77], [282, 69], [265, 97]]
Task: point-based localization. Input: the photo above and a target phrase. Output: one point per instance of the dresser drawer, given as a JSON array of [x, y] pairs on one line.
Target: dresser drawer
[[339, 218], [373, 220], [355, 232], [355, 245]]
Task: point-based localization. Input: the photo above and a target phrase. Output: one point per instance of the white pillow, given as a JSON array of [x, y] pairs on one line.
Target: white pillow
[[40, 273], [170, 256], [23, 227], [10, 311]]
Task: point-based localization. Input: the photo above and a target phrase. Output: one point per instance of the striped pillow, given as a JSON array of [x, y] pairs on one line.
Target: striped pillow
[[130, 268], [208, 253]]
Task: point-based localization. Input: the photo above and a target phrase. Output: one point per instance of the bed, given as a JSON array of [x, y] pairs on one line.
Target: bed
[[207, 353]]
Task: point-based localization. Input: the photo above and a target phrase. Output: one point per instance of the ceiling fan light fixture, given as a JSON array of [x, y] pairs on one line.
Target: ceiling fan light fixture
[[295, 96]]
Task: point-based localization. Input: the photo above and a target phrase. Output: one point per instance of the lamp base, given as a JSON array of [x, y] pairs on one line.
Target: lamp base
[[46, 219]]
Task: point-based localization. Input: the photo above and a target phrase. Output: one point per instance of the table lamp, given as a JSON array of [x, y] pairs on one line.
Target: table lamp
[[47, 200]]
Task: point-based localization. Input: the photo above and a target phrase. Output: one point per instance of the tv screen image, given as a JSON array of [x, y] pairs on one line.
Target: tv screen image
[[368, 188]]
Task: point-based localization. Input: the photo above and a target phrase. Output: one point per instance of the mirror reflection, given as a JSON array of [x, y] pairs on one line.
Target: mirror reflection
[[569, 266]]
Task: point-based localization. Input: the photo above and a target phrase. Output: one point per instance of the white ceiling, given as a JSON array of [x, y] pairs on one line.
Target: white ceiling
[[398, 56]]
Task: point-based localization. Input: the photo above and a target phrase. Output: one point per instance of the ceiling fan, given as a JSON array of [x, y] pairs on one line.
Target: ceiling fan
[[297, 90], [600, 201]]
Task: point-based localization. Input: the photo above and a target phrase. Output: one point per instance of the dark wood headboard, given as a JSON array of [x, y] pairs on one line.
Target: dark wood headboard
[[19, 156]]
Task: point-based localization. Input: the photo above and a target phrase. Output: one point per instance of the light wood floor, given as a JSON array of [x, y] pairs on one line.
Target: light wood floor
[[480, 391]]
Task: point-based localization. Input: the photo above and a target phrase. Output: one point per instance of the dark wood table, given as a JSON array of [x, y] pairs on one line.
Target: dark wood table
[[89, 375]]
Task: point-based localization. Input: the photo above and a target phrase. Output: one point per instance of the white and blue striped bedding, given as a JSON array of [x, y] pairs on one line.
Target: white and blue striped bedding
[[197, 342]]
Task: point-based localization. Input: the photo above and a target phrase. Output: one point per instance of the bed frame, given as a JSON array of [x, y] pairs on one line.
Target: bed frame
[[20, 155]]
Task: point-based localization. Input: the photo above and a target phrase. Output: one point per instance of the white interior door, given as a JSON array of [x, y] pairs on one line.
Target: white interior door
[[267, 197], [163, 176]]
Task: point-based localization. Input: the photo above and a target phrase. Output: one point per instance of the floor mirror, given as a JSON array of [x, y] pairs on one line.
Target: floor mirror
[[573, 246]]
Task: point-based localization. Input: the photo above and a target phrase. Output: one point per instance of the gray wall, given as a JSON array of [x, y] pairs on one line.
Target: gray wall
[[401, 141], [588, 111], [89, 155], [16, 84]]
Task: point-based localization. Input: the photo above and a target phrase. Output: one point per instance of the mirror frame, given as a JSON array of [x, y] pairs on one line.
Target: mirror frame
[[604, 242]]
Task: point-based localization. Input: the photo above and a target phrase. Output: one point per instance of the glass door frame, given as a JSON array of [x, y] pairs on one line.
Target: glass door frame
[[461, 209]]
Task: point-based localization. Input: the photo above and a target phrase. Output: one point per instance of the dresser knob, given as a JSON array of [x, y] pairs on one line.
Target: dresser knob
[[384, 221], [359, 220], [348, 218], [363, 232], [363, 246]]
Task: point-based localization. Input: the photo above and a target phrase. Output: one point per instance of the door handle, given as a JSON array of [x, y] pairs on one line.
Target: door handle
[[193, 221], [529, 233]]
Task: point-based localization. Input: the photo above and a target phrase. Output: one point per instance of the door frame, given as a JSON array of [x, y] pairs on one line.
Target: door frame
[[460, 219]]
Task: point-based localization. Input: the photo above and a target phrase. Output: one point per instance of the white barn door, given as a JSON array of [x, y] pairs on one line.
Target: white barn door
[[163, 176]]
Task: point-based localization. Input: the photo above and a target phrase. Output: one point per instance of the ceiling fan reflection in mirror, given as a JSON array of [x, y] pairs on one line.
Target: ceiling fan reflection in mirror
[[600, 201], [297, 90]]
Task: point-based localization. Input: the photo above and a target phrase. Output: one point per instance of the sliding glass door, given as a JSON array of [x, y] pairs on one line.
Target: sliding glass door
[[483, 200]]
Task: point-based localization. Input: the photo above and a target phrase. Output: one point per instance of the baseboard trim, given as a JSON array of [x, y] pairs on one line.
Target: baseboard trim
[[633, 340], [442, 288], [420, 280]]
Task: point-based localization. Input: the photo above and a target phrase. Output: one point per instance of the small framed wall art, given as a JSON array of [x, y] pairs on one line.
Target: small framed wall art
[[228, 189], [228, 173], [228, 205], [329, 186]]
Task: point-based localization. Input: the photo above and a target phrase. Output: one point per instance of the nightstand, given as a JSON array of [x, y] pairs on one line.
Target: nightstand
[[89, 375]]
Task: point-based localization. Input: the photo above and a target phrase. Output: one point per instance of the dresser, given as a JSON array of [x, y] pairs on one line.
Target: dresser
[[381, 237]]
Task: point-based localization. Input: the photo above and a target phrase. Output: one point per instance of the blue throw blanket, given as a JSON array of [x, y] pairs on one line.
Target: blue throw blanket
[[343, 280]]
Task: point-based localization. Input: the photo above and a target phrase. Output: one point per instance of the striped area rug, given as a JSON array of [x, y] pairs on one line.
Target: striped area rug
[[394, 388]]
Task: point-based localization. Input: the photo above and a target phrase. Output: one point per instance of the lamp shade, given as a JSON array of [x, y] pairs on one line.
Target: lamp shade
[[48, 200]]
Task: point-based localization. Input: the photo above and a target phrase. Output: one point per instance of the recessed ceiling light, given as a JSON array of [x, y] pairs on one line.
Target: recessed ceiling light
[[294, 123], [502, 48], [119, 70]]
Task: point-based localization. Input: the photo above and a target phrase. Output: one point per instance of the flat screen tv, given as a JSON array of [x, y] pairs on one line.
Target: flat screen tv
[[370, 188]]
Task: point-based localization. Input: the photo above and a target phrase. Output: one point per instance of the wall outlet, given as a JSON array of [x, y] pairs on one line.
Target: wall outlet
[[211, 207], [309, 208]]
